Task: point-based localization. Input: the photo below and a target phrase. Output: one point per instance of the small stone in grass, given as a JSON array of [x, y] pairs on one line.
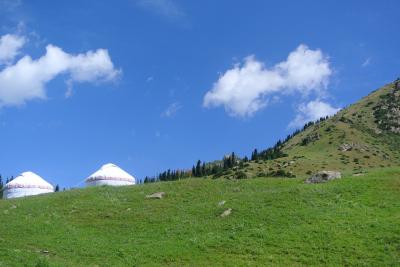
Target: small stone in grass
[[226, 212], [158, 195]]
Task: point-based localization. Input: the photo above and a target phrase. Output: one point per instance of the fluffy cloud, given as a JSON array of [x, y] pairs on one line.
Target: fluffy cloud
[[26, 79], [312, 111], [245, 88], [9, 47]]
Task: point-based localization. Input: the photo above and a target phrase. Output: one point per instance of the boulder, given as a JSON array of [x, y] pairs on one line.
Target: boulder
[[226, 213], [350, 146], [158, 195], [323, 176]]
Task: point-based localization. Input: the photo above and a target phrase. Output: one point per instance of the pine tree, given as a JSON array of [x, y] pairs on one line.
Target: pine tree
[[233, 159], [198, 169], [225, 163], [254, 155], [193, 171]]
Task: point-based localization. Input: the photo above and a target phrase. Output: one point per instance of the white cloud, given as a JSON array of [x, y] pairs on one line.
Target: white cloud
[[26, 79], [10, 46], [312, 111], [366, 62], [9, 5], [166, 8], [171, 110], [245, 88]]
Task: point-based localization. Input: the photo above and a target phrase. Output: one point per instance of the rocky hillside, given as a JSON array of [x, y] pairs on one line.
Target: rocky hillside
[[362, 136]]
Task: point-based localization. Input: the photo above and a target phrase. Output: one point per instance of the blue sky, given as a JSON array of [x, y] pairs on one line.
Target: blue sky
[[157, 84]]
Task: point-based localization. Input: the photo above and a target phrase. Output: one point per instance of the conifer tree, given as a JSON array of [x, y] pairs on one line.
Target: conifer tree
[[193, 171], [198, 169], [254, 155], [233, 159]]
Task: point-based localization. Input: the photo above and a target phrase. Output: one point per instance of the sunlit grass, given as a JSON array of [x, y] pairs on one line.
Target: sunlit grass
[[352, 221]]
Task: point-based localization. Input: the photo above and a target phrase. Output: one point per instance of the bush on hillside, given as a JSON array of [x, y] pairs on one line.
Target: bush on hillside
[[240, 175]]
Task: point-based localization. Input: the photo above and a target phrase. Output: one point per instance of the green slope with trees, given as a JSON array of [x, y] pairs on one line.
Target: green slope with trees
[[362, 136]]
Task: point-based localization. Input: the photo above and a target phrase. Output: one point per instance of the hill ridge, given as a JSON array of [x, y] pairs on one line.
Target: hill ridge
[[361, 136]]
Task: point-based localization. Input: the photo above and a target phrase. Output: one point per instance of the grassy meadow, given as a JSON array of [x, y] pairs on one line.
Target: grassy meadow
[[274, 221]]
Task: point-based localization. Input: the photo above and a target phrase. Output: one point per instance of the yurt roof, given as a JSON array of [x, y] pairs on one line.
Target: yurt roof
[[29, 180], [111, 171]]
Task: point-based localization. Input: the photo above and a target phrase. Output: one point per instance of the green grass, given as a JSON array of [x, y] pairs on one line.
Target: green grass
[[352, 221]]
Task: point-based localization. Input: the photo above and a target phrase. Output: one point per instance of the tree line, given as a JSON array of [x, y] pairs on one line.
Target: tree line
[[202, 168]]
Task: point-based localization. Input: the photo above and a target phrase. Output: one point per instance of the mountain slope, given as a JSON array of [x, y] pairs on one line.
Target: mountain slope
[[362, 136], [284, 222]]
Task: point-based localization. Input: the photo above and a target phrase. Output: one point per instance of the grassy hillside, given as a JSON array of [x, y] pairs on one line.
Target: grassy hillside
[[362, 136], [352, 221]]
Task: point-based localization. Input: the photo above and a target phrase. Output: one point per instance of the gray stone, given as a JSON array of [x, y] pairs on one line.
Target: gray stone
[[226, 213], [323, 176], [221, 203], [158, 195], [352, 146]]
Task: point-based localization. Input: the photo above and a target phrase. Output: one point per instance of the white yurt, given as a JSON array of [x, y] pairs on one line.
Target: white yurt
[[27, 184], [110, 174]]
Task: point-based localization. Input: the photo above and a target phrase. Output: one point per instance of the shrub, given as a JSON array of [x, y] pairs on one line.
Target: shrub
[[281, 173], [261, 174], [240, 175]]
